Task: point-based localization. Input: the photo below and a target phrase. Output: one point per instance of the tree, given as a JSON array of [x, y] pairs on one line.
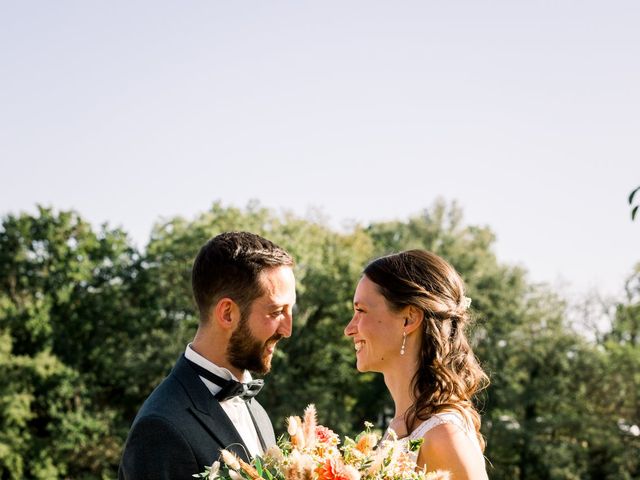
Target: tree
[[89, 326], [63, 327]]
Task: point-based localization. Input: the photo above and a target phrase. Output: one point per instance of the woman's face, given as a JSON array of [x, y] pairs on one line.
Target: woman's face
[[375, 329]]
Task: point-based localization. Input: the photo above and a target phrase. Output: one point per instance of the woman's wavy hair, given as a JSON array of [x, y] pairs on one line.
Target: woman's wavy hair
[[448, 375]]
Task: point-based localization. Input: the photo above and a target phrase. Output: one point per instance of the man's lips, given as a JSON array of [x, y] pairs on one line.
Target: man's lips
[[270, 347]]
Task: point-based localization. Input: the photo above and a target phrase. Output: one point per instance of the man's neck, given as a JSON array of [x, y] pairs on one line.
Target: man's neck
[[216, 356]]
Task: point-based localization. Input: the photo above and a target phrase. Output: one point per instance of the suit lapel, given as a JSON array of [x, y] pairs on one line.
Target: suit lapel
[[253, 413], [263, 424], [221, 428], [208, 411]]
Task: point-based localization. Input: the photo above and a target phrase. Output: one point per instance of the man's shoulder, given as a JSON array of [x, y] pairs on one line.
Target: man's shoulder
[[159, 445], [168, 400]]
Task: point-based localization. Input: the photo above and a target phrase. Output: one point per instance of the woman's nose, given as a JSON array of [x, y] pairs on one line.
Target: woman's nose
[[350, 329]]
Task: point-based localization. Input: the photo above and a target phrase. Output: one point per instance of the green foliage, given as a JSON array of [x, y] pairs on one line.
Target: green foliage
[[89, 326], [63, 324]]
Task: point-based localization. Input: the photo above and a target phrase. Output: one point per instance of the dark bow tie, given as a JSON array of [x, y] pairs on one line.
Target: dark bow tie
[[230, 388]]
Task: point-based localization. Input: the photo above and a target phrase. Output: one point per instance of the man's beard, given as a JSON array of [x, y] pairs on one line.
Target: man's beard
[[245, 352]]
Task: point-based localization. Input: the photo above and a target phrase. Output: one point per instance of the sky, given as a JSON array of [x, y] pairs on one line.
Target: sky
[[526, 113]]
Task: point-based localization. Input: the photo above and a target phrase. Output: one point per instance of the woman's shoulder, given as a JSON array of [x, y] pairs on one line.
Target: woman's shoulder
[[449, 417], [451, 444]]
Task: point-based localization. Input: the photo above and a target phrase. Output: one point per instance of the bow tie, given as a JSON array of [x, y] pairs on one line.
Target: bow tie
[[230, 388]]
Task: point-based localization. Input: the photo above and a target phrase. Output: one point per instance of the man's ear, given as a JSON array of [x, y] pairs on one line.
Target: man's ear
[[413, 319], [226, 314]]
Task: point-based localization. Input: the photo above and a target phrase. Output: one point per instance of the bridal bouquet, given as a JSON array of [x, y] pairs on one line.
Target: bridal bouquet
[[313, 452]]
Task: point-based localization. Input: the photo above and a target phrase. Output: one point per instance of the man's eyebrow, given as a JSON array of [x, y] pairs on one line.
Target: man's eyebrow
[[276, 305]]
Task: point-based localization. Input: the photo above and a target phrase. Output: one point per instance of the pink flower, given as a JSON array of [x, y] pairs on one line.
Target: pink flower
[[326, 435]]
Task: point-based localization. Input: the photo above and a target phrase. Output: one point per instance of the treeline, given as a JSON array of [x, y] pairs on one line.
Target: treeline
[[89, 325]]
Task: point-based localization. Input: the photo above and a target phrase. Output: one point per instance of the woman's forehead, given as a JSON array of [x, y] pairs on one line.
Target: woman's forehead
[[366, 292]]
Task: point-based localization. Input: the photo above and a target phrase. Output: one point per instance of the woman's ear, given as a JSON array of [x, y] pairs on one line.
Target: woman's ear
[[413, 319]]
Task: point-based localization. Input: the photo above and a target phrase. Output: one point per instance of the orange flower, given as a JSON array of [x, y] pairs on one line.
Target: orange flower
[[330, 469], [367, 442]]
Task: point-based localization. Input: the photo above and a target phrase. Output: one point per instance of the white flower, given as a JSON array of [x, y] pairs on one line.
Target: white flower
[[296, 431], [292, 426], [466, 302], [230, 459], [274, 454], [352, 472], [215, 468], [438, 475], [235, 475]]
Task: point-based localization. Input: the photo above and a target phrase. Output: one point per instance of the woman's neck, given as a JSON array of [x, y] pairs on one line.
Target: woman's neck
[[398, 382]]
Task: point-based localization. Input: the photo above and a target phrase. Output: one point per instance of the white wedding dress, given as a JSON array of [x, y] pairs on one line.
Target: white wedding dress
[[452, 418]]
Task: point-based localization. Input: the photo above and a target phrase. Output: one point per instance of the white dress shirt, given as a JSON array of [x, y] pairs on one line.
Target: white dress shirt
[[235, 408]]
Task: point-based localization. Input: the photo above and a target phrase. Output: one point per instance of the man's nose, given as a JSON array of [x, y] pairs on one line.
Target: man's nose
[[286, 325]]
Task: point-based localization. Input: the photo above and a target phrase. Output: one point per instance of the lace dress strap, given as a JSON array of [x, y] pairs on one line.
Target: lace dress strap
[[453, 418], [439, 419]]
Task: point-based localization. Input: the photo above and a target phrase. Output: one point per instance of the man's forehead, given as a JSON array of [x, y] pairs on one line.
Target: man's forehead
[[275, 275], [277, 282]]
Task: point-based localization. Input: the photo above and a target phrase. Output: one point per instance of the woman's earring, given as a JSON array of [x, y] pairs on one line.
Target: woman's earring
[[404, 342]]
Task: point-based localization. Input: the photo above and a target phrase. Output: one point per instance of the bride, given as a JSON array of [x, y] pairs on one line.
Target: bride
[[409, 324]]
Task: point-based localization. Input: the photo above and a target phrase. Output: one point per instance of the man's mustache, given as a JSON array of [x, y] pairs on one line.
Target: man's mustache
[[274, 338]]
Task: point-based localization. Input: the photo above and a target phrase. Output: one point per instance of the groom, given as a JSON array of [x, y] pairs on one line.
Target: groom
[[244, 287]]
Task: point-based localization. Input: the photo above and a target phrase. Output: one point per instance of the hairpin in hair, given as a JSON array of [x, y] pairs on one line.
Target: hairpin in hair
[[466, 302]]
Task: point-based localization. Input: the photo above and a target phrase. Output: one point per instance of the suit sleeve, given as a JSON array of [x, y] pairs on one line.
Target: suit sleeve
[[156, 450]]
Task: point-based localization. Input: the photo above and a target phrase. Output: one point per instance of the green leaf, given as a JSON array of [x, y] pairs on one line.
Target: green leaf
[[258, 465], [414, 445]]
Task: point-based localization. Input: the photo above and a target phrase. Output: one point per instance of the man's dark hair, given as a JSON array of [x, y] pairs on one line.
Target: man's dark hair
[[229, 266]]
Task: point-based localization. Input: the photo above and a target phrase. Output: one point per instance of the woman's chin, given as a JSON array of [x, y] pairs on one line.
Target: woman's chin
[[362, 367]]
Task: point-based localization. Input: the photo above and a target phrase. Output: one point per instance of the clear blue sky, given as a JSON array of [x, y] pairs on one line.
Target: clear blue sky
[[526, 113]]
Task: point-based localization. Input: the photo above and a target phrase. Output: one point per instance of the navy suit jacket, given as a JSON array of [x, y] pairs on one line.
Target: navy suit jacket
[[181, 428]]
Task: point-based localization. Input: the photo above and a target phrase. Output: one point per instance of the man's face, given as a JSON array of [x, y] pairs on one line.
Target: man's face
[[268, 320]]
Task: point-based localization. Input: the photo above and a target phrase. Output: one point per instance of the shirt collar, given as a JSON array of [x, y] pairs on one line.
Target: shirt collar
[[195, 357]]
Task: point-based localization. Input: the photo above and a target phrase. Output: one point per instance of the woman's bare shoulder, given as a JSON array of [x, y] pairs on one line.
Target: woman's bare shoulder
[[448, 447]]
